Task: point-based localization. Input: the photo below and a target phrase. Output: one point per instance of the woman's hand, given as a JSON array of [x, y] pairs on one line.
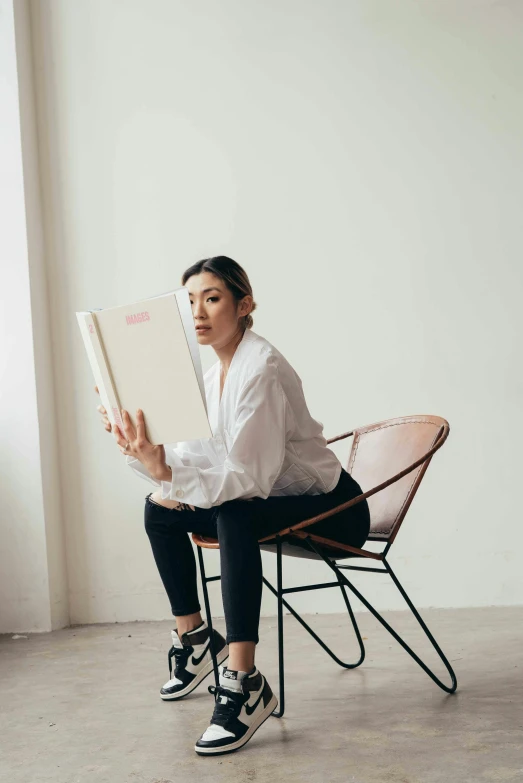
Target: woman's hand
[[101, 409], [151, 457]]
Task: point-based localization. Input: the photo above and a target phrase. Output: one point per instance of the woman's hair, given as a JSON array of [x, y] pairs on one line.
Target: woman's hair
[[232, 274]]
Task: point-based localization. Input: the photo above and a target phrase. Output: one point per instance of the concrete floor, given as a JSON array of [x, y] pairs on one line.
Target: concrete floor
[[82, 704]]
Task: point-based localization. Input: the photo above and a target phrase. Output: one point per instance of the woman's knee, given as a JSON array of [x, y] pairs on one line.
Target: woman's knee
[[232, 520]]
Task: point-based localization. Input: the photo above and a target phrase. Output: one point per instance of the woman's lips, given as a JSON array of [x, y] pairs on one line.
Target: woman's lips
[[203, 328]]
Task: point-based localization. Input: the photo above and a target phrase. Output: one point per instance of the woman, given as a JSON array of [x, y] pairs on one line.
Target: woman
[[267, 467]]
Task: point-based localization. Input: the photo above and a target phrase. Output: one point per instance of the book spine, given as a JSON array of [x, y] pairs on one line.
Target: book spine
[[183, 304], [99, 366]]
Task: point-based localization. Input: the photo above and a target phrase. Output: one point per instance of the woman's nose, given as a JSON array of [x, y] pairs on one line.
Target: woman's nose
[[198, 311]]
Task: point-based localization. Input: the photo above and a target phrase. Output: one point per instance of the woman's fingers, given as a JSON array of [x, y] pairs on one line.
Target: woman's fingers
[[128, 428], [105, 420], [140, 426], [121, 441], [101, 409]]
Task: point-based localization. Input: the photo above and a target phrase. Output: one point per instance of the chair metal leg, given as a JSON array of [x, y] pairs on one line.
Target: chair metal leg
[[354, 625], [281, 670], [391, 630], [315, 635], [208, 613]]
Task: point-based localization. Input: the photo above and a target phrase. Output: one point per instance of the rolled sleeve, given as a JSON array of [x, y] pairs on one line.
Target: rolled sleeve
[[176, 457], [186, 454], [185, 486], [255, 457]]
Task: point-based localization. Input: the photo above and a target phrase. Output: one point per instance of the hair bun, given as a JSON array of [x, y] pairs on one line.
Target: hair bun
[[249, 319]]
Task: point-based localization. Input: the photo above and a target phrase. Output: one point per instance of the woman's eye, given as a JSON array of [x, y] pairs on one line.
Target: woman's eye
[[210, 299]]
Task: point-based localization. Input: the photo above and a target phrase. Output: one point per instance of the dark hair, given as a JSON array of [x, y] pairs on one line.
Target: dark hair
[[232, 274]]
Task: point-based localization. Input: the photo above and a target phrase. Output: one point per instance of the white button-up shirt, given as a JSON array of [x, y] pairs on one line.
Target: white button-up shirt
[[265, 442]]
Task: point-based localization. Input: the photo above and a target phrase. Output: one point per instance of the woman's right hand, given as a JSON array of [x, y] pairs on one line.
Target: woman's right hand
[[103, 412]]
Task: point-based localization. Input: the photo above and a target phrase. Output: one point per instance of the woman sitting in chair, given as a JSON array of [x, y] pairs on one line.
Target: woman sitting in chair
[[267, 467]]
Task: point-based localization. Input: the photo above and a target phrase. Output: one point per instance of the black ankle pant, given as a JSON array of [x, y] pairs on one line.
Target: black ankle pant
[[238, 524]]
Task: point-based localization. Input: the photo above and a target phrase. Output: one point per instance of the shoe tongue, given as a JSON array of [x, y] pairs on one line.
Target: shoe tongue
[[232, 679], [176, 640]]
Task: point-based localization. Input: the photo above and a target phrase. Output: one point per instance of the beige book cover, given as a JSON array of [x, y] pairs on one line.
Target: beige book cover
[[146, 355]]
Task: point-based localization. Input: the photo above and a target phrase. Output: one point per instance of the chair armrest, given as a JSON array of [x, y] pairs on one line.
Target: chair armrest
[[340, 437], [339, 545]]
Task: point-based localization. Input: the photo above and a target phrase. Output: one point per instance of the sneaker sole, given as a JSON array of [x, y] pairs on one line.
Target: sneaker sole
[[207, 669], [220, 751]]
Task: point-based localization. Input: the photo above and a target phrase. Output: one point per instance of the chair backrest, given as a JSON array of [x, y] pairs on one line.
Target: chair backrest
[[380, 451]]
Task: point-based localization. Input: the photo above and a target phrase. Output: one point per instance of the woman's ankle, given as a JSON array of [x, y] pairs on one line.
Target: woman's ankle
[[241, 656], [187, 623]]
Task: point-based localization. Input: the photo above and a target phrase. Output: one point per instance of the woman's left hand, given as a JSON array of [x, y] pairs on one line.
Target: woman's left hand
[[151, 457]]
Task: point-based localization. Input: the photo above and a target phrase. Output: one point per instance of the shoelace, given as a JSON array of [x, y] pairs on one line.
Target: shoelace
[[181, 657], [227, 708]]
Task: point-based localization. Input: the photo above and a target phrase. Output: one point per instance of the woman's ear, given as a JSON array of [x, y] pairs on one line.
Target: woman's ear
[[245, 305]]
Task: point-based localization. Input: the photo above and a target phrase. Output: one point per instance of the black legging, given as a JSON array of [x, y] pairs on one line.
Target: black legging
[[238, 524]]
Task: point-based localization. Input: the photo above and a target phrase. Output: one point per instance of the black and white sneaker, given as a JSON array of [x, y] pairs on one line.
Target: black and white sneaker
[[243, 702], [192, 660]]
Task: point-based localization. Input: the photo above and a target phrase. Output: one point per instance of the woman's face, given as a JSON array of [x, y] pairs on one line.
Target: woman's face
[[214, 307]]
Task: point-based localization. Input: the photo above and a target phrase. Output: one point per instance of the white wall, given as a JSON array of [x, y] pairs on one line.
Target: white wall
[[362, 160], [33, 584]]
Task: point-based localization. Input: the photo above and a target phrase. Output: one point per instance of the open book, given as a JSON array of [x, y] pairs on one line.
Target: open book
[[146, 355]]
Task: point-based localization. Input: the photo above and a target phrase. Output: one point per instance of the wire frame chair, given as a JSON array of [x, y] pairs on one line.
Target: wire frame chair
[[391, 457]]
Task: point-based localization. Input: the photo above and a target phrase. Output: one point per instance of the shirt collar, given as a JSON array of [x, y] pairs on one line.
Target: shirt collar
[[248, 337]]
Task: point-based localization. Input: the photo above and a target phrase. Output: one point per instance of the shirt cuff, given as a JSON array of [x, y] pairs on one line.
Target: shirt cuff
[[140, 470], [185, 487]]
